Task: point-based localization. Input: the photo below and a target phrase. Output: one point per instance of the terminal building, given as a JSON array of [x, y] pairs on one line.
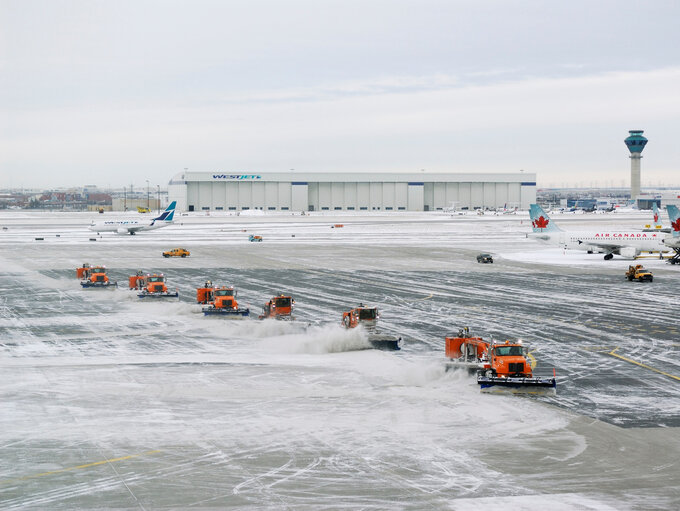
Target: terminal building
[[340, 191]]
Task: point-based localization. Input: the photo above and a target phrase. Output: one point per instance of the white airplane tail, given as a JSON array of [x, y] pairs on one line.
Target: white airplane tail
[[674, 216], [540, 221]]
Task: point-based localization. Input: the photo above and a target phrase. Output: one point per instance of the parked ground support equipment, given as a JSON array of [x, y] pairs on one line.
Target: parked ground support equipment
[[639, 273]]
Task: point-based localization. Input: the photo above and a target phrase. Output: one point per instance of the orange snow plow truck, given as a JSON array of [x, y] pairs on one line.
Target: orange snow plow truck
[[508, 368], [151, 285], [279, 307], [219, 301], [94, 276]]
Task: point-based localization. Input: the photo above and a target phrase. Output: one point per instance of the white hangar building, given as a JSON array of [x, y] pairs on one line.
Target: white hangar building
[[369, 191]]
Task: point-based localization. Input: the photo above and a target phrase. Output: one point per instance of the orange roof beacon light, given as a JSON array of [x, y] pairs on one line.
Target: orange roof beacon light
[[367, 317], [95, 277], [220, 301], [279, 307]]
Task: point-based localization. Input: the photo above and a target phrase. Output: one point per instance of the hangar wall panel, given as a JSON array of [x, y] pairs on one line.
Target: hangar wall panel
[[489, 197], [325, 201], [376, 195], [350, 196], [271, 195], [337, 195], [363, 196], [245, 195], [388, 196], [416, 197], [205, 195], [476, 195], [502, 195], [514, 196], [313, 196], [192, 197], [300, 200], [285, 196], [401, 196], [464, 197], [232, 196]]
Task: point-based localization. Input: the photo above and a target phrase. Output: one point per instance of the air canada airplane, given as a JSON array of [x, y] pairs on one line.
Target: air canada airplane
[[132, 225], [624, 243], [674, 240]]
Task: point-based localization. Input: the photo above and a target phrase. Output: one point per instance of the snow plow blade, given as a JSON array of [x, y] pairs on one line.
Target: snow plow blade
[[517, 385], [384, 342], [99, 284], [159, 295], [238, 313]]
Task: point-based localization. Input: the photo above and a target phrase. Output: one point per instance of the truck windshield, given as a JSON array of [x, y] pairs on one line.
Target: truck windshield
[[368, 313], [503, 351], [156, 279], [282, 302], [224, 292], [98, 270]]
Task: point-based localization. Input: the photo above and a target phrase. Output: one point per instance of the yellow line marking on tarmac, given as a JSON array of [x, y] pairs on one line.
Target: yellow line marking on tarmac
[[87, 465], [614, 354], [426, 298]]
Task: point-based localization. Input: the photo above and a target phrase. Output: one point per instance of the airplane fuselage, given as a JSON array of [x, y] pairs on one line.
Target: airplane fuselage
[[605, 241]]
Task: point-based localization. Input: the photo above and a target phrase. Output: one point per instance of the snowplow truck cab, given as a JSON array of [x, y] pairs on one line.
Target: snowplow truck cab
[[278, 307], [225, 298], [366, 316], [639, 273], [509, 360], [156, 284], [97, 275]]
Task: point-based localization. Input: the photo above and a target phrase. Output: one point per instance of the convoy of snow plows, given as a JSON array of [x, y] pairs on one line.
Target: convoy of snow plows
[[500, 366]]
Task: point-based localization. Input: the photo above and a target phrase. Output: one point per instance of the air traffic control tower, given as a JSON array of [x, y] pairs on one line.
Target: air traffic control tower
[[636, 143]]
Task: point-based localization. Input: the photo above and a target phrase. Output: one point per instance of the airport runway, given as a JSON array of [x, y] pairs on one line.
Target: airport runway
[[107, 402]]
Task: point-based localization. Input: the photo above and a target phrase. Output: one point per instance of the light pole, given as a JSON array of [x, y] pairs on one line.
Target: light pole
[[147, 194], [159, 199]]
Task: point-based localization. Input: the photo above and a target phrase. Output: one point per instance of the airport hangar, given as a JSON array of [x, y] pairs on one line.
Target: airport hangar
[[347, 191]]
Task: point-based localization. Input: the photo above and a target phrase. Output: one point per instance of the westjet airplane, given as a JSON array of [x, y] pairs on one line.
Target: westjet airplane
[[624, 243], [132, 226]]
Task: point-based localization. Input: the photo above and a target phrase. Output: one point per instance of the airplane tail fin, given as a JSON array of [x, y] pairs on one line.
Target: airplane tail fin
[[657, 216], [674, 216], [540, 221], [168, 214]]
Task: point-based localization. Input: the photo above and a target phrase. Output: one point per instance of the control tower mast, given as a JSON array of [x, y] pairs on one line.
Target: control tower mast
[[636, 143]]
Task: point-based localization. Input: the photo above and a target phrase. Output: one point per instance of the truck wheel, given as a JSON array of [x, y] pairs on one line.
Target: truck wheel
[[651, 279], [184, 255], [166, 255]]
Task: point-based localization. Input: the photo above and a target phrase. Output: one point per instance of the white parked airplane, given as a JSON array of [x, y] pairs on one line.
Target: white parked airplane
[[624, 243], [131, 226]]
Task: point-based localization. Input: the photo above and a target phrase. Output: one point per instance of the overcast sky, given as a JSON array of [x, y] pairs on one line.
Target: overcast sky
[[120, 92]]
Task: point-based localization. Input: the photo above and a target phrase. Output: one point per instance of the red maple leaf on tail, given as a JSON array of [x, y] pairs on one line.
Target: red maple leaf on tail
[[676, 225], [540, 222]]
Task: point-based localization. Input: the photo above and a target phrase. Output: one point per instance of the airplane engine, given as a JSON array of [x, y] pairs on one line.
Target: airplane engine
[[629, 252]]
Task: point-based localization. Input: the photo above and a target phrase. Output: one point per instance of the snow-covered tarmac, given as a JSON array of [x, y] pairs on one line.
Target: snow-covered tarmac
[[106, 402]]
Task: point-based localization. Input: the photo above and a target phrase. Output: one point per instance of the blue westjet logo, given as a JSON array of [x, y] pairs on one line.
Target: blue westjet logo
[[236, 176]]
